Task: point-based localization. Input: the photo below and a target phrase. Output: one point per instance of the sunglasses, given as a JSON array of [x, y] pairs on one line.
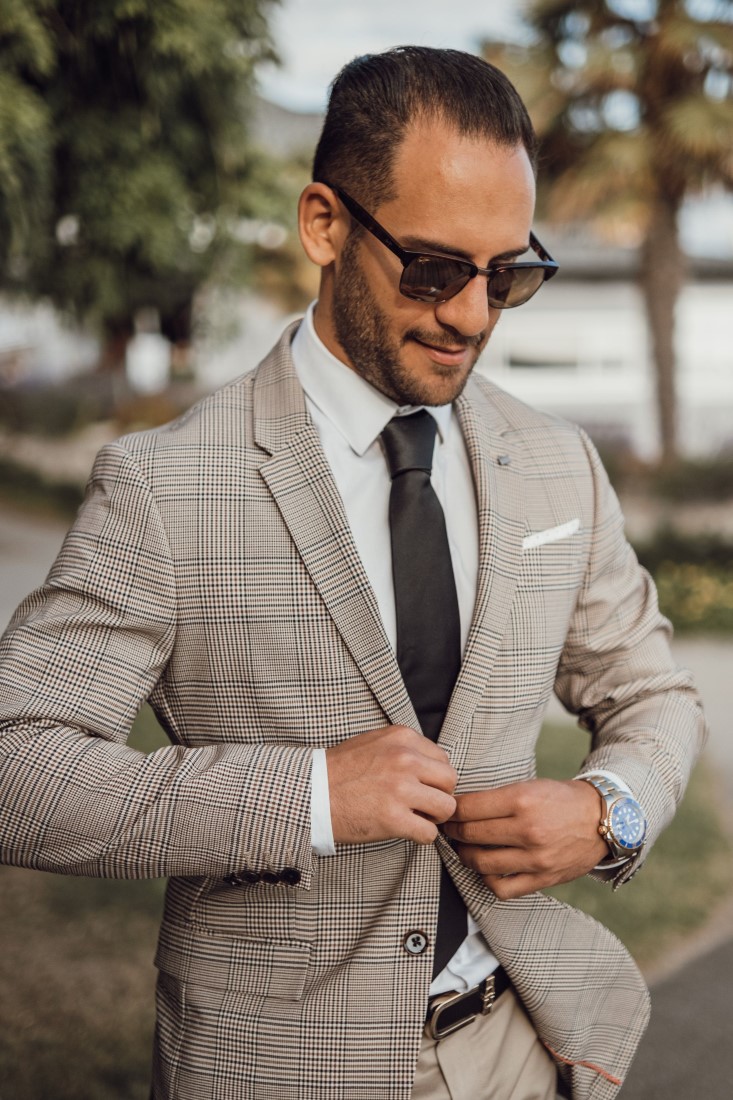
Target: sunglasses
[[438, 276]]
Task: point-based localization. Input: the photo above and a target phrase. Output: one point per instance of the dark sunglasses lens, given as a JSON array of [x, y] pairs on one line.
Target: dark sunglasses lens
[[514, 286], [434, 279]]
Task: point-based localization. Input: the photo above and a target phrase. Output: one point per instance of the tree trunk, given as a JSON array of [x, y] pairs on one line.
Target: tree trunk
[[662, 276], [115, 338]]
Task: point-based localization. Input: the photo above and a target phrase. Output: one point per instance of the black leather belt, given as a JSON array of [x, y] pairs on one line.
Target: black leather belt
[[447, 1012]]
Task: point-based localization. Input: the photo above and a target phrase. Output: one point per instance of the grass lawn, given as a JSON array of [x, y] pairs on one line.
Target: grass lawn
[[76, 974]]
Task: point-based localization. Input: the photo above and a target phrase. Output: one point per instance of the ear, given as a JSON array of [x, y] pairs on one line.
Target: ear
[[323, 224]]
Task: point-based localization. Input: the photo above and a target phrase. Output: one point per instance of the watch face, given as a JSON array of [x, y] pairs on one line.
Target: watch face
[[628, 824]]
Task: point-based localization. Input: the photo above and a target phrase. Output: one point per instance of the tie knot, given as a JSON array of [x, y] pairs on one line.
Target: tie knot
[[409, 442]]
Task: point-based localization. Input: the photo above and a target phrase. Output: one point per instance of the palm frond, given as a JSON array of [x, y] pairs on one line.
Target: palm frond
[[699, 128]]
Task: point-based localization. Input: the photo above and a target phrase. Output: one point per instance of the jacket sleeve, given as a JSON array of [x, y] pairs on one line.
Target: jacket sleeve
[[618, 675], [79, 657]]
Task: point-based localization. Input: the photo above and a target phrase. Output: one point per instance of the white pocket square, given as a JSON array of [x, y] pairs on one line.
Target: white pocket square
[[552, 534]]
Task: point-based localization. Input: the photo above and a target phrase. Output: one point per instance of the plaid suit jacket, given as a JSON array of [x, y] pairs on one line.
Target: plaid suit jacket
[[211, 569]]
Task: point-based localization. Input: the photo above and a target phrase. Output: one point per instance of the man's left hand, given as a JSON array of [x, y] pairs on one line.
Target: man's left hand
[[527, 836]]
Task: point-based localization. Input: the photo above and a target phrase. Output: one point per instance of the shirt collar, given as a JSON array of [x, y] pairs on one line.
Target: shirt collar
[[355, 408]]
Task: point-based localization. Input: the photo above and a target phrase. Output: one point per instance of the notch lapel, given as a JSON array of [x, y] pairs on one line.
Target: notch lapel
[[300, 481], [496, 461]]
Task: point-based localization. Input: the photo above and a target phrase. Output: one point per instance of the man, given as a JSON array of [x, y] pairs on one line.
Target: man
[[270, 570]]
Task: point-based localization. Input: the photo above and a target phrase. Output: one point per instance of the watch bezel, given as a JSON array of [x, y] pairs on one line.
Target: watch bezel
[[625, 849], [610, 796]]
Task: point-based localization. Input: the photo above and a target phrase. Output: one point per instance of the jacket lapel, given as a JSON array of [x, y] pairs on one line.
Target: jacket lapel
[[300, 480], [496, 460]]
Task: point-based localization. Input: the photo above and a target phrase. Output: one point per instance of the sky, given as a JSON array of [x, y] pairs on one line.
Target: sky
[[316, 37]]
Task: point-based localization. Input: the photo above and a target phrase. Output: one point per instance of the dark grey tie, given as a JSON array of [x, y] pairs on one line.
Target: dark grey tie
[[428, 624]]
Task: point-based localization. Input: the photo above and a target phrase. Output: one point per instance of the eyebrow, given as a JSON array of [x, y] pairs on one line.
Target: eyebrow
[[422, 244]]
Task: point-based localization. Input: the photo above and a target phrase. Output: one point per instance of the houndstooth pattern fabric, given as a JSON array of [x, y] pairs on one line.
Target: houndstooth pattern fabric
[[211, 569]]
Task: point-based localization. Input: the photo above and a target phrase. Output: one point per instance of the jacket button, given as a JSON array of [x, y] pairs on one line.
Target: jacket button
[[233, 879], [415, 943], [270, 876], [250, 877], [290, 876]]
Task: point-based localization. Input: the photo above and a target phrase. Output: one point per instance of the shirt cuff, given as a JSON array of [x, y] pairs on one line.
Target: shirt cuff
[[321, 829]]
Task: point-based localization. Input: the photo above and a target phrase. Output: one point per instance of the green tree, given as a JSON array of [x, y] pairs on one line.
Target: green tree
[[125, 172], [633, 101]]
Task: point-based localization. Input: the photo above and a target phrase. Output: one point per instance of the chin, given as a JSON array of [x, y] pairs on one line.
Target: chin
[[437, 389]]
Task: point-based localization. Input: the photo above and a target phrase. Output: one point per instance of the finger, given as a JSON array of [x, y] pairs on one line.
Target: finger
[[508, 887], [402, 739], [502, 832], [434, 773], [409, 765], [429, 748], [482, 805], [434, 804], [418, 829], [498, 861]]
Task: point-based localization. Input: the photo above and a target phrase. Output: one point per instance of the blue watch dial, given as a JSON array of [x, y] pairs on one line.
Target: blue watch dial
[[627, 822]]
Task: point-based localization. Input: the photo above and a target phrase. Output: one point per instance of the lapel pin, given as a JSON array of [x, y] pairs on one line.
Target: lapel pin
[[504, 460]]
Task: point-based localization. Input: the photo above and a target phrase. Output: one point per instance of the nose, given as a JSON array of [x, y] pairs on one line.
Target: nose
[[468, 312]]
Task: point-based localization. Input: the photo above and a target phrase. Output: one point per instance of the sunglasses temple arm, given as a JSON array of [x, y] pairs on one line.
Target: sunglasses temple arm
[[367, 221], [540, 249]]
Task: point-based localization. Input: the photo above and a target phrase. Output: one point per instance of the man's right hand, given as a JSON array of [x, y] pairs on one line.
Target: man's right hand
[[387, 784]]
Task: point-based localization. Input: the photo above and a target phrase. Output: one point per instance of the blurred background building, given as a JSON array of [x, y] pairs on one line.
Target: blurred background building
[[579, 349], [199, 293]]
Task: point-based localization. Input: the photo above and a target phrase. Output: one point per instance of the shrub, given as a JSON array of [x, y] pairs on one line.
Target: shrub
[[691, 480]]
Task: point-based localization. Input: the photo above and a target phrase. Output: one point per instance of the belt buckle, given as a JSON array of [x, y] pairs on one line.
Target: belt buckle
[[487, 992]]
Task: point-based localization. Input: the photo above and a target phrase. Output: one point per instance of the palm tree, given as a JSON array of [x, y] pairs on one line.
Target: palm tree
[[633, 101]]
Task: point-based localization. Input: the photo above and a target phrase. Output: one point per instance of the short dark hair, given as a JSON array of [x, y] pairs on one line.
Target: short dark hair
[[375, 97]]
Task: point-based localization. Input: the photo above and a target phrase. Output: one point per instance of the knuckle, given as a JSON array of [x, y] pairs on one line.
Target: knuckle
[[544, 862], [485, 862], [403, 760], [394, 822], [445, 806], [534, 834], [504, 889], [469, 832], [470, 858], [524, 801], [402, 788]]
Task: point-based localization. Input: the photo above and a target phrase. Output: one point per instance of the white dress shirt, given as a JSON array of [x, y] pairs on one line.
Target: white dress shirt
[[349, 415]]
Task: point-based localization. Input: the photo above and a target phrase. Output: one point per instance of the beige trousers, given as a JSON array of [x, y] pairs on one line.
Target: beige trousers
[[497, 1057]]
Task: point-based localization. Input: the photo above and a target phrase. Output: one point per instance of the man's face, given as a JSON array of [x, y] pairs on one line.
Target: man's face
[[466, 196]]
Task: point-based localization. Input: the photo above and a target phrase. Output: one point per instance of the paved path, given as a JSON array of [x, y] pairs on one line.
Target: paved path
[[688, 1050], [28, 546], [687, 1053]]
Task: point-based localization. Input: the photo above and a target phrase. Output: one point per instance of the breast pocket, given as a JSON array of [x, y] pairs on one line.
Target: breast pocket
[[552, 568]]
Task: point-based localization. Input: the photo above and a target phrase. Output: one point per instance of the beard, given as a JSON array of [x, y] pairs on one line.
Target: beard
[[363, 331]]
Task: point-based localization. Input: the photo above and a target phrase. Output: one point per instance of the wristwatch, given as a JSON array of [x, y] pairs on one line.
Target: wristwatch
[[623, 825]]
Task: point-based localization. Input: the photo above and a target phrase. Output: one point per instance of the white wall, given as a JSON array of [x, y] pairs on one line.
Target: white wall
[[590, 347]]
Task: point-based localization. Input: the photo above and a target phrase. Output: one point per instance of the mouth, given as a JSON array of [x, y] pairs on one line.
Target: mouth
[[447, 355]]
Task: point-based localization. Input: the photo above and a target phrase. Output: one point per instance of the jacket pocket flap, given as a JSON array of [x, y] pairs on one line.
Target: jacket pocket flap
[[269, 968]]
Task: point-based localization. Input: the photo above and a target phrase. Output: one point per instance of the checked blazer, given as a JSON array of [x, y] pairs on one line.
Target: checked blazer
[[211, 569]]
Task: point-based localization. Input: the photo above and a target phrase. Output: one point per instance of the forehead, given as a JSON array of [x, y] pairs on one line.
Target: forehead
[[463, 190]]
